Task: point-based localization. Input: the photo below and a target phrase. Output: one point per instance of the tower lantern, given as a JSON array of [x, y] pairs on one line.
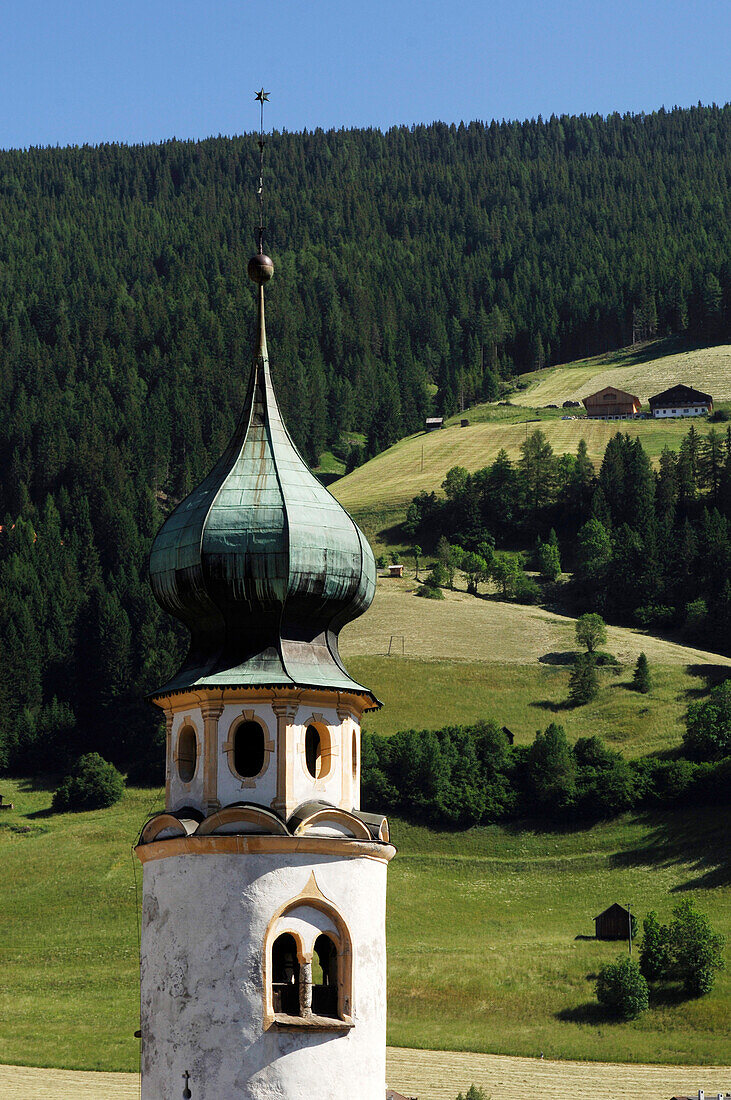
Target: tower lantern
[[263, 958]]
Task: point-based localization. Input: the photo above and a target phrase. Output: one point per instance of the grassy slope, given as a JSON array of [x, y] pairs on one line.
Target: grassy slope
[[378, 492], [467, 658], [481, 929], [643, 371]]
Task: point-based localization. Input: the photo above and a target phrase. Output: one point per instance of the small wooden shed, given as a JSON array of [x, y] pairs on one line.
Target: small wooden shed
[[433, 423], [395, 570], [613, 923]]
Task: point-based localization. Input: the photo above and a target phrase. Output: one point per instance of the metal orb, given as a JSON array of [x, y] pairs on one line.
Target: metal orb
[[260, 268]]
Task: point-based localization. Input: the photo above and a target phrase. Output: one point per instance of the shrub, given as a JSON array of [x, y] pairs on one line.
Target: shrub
[[583, 681], [429, 592], [473, 1093], [688, 950], [606, 781], [92, 784], [526, 590], [696, 620], [641, 676], [697, 951], [622, 989], [654, 614], [655, 954], [438, 576], [552, 771], [708, 725], [548, 559]]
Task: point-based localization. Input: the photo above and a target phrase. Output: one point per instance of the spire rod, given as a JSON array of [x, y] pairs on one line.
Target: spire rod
[[260, 267], [261, 97]]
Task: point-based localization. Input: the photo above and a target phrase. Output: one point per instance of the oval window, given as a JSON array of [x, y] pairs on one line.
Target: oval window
[[187, 753], [249, 749], [313, 751]]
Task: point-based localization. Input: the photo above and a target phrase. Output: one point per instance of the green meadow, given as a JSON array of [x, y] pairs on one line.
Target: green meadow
[[482, 935], [488, 930]]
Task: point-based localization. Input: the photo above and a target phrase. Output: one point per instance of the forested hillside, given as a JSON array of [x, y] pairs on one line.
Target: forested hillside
[[436, 254]]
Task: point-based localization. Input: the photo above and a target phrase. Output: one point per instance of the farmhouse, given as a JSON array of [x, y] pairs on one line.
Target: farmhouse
[[681, 401], [613, 923], [611, 404]]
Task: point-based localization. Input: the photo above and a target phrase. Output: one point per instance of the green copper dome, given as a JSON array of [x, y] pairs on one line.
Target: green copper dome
[[260, 561]]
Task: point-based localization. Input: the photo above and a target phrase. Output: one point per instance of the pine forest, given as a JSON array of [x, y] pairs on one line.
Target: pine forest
[[414, 269]]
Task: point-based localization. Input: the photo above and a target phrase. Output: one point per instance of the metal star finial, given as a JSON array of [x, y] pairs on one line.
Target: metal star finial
[[262, 96]]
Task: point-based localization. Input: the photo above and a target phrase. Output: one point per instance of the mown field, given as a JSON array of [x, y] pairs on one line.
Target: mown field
[[378, 493], [428, 1074], [467, 658], [643, 371]]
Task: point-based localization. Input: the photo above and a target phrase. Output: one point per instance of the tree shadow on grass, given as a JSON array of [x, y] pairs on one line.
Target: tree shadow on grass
[[45, 782], [695, 840], [667, 996], [591, 1012], [712, 675], [564, 657]]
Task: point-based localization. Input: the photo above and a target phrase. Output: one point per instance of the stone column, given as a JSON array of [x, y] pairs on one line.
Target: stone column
[[211, 711], [306, 989]]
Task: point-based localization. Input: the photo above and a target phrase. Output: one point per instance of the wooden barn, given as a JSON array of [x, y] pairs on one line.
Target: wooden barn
[[613, 923], [681, 401], [433, 423], [611, 404]]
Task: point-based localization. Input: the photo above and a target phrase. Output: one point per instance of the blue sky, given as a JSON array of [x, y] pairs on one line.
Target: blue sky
[[145, 70]]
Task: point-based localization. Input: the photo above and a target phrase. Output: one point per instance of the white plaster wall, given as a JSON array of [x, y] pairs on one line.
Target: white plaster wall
[[204, 923], [680, 412], [186, 794], [304, 786], [230, 787]]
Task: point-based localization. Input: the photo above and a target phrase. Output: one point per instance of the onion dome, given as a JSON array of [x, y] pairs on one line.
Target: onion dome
[[260, 561]]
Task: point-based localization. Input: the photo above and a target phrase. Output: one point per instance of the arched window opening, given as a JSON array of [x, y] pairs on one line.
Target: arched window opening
[[325, 977], [285, 976], [313, 752], [249, 749], [187, 753], [355, 755]]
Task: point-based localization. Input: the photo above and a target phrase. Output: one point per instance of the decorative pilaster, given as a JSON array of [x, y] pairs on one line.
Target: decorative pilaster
[[211, 711], [286, 711], [348, 726], [168, 754]]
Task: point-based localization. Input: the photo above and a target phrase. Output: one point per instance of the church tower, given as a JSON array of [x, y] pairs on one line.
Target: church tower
[[263, 960]]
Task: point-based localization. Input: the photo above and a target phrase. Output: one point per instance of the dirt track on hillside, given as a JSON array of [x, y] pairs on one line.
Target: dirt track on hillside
[[430, 1074]]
